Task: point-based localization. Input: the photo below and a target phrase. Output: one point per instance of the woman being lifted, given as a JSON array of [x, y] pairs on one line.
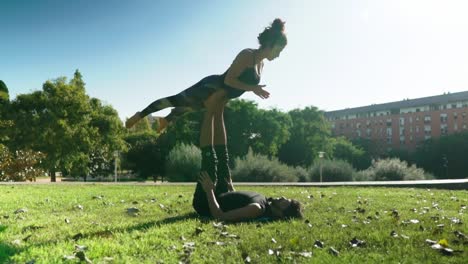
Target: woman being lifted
[[212, 93]]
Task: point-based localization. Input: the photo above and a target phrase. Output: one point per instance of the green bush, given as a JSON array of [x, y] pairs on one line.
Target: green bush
[[259, 168], [183, 163], [332, 171], [302, 174], [393, 170]]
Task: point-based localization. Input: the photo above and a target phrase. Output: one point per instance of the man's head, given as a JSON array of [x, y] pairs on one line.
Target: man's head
[[283, 208]]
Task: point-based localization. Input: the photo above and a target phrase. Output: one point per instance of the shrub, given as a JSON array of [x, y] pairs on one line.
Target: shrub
[[183, 163], [332, 171], [20, 165], [394, 170], [302, 174], [259, 168]]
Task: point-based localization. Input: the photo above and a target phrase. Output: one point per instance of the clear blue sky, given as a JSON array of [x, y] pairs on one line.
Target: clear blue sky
[[340, 53]]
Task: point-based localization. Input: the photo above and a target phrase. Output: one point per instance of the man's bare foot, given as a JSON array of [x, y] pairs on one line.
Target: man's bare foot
[[133, 120]]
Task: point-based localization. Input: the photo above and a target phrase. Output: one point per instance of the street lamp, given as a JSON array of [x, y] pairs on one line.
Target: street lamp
[[321, 153], [116, 156]]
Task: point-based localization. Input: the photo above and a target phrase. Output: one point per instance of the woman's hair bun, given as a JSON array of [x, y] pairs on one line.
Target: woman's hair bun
[[278, 25]]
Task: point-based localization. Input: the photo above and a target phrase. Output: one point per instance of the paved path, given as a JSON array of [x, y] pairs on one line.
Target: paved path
[[459, 184]]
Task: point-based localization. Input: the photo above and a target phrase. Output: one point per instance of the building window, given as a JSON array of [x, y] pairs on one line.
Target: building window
[[358, 125], [358, 132], [464, 126], [463, 115], [402, 121], [417, 110], [455, 126], [389, 131], [443, 129], [454, 105], [389, 140], [389, 122], [455, 115], [427, 130], [443, 118], [427, 137], [410, 119], [427, 119], [417, 129], [368, 132], [417, 118], [402, 131]]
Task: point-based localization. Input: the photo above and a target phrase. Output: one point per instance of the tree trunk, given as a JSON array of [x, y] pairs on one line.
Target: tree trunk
[[52, 175]]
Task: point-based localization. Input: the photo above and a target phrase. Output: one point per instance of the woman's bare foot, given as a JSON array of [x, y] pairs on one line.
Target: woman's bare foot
[[133, 120], [162, 124]]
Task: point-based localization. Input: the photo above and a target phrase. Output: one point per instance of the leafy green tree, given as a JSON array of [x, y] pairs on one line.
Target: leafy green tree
[[445, 157], [65, 124], [144, 156], [343, 149], [4, 94], [310, 132], [249, 127]]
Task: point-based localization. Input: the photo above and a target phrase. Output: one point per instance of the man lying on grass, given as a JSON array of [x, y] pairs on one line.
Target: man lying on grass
[[210, 201]]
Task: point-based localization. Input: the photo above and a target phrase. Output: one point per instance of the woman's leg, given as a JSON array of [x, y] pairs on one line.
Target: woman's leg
[[178, 100], [220, 146], [209, 160]]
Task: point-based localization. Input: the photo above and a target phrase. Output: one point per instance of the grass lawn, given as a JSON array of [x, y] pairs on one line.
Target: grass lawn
[[388, 226]]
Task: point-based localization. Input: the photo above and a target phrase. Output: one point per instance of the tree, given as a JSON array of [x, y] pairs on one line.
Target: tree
[[445, 157], [262, 130], [309, 135], [343, 149], [65, 124], [4, 94], [144, 156]]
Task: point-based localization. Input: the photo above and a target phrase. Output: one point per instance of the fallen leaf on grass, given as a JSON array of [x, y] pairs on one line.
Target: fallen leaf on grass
[[393, 234], [198, 231], [273, 240], [246, 257], [98, 197], [333, 251], [77, 236], [305, 254], [133, 211], [218, 243], [460, 235], [232, 236], [80, 248], [82, 257], [218, 225], [357, 243], [318, 244], [31, 228], [273, 252], [21, 210], [67, 221], [79, 207]]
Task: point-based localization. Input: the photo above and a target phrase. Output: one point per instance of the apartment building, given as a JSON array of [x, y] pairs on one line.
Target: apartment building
[[403, 124]]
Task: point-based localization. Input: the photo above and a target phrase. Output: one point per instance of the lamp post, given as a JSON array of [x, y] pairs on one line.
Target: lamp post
[[321, 153], [116, 156]]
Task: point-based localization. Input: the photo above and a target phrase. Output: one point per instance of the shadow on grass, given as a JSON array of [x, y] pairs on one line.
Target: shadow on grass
[[6, 252], [143, 226]]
